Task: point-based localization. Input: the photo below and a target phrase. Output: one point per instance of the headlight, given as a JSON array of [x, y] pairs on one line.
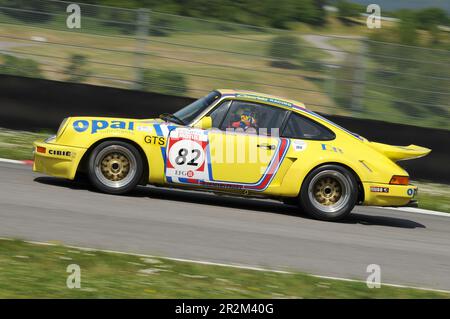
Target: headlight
[[62, 127]]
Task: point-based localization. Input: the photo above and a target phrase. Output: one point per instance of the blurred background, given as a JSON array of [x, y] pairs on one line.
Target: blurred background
[[140, 58], [318, 52]]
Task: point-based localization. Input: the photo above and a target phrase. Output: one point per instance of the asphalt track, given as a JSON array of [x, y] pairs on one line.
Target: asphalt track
[[411, 249]]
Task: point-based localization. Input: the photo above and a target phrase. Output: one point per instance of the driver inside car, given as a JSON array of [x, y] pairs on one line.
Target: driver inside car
[[246, 121]]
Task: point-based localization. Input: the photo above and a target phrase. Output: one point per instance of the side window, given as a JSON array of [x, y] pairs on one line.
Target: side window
[[304, 128], [218, 113], [253, 118]]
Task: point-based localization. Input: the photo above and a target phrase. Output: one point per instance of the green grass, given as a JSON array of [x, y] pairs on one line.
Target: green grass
[[434, 196], [39, 271], [19, 144]]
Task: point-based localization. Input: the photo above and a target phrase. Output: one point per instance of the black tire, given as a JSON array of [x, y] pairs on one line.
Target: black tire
[[115, 167], [329, 193]]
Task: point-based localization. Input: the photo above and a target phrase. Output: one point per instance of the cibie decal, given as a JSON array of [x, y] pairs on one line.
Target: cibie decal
[[99, 125], [299, 146], [60, 153], [186, 154]]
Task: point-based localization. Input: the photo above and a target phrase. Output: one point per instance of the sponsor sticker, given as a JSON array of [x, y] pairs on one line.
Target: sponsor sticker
[[95, 126], [410, 191], [299, 145], [157, 140], [379, 189], [186, 154], [265, 99], [326, 147], [147, 129], [60, 153]]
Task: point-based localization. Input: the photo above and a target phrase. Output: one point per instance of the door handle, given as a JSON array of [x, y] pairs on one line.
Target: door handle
[[266, 146]]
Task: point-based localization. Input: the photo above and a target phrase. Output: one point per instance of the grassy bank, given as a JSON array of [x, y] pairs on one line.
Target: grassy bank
[[30, 270], [19, 144], [434, 196]]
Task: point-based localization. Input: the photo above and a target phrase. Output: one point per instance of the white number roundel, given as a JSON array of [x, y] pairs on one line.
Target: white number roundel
[[186, 155]]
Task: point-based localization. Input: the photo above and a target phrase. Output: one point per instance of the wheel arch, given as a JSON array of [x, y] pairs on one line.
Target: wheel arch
[[82, 166]]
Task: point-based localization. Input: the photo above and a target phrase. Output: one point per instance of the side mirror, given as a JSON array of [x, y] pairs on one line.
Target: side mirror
[[204, 123]]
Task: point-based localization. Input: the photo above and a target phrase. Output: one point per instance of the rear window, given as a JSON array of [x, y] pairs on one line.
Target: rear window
[[302, 127]]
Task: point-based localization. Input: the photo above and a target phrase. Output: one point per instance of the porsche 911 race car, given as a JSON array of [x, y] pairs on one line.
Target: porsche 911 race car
[[235, 142]]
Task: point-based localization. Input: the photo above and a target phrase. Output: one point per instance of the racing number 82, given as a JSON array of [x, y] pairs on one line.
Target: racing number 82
[[182, 157]]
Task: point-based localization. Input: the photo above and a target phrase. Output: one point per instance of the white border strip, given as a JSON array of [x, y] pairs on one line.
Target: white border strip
[[6, 160], [418, 211], [238, 266]]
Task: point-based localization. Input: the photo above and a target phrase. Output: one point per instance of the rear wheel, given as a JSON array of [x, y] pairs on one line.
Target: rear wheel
[[115, 167], [329, 192]]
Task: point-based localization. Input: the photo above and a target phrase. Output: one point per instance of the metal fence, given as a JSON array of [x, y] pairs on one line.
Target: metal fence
[[147, 50]]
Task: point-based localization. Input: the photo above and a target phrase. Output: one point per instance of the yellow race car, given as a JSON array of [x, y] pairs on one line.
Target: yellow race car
[[238, 142]]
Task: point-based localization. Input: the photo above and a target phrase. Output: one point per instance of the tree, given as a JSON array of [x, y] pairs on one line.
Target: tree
[[429, 19], [407, 28], [30, 11], [166, 82], [76, 70], [349, 9]]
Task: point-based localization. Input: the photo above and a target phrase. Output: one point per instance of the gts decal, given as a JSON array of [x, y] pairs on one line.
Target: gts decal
[[155, 140]]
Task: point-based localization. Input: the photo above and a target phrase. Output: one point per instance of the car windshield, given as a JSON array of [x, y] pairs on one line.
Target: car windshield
[[188, 113]]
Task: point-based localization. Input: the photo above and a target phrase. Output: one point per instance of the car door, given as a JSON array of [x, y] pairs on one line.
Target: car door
[[242, 151], [247, 149]]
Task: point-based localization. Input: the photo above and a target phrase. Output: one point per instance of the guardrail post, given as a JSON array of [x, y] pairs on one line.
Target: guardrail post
[[142, 31], [359, 77]]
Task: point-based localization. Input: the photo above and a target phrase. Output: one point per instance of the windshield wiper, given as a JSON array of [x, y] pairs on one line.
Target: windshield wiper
[[171, 118]]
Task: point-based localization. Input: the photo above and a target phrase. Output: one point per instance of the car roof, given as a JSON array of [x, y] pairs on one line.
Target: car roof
[[262, 97]]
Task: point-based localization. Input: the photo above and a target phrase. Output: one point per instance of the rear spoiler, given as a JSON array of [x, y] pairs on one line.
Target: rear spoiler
[[400, 153]]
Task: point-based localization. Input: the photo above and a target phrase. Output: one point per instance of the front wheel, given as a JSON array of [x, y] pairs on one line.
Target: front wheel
[[329, 193], [115, 167]]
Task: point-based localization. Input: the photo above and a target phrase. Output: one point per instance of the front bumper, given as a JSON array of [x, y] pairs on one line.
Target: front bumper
[[377, 194], [57, 160]]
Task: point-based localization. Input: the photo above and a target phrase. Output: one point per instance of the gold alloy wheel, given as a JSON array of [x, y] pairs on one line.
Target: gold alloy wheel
[[115, 166], [327, 191]]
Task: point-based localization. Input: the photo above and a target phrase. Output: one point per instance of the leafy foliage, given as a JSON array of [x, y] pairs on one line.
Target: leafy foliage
[[166, 82], [274, 13], [349, 9], [21, 67], [430, 17], [31, 11]]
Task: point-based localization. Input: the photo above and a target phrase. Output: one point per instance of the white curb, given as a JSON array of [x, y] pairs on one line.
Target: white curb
[[10, 161], [418, 211]]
